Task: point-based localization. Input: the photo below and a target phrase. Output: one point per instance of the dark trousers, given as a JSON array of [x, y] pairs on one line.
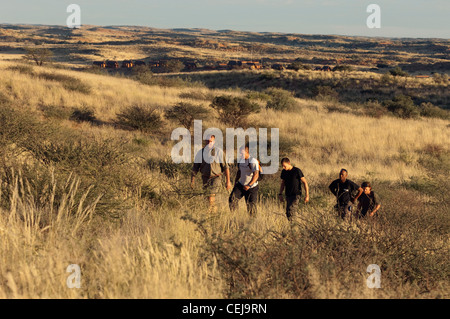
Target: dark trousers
[[292, 203], [345, 210], [250, 195]]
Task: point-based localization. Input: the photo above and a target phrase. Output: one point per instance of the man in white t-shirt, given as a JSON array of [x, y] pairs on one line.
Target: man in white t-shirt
[[246, 182]]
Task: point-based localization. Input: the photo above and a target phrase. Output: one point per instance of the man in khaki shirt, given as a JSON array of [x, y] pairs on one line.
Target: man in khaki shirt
[[212, 167]]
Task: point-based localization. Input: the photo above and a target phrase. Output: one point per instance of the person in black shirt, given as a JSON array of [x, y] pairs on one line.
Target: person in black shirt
[[291, 177], [369, 202], [343, 188]]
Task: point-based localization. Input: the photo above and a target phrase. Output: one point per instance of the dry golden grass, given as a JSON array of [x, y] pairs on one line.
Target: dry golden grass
[[386, 147], [153, 251]]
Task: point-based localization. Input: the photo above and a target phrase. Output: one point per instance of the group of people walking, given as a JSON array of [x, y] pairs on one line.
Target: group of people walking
[[246, 184]]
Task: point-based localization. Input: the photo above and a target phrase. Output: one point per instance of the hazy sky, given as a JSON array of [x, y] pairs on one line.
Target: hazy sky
[[399, 18]]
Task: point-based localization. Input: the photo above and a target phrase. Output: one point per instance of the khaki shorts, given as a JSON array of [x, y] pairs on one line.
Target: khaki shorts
[[211, 185]]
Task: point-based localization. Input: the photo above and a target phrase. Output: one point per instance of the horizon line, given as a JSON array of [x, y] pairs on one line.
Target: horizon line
[[233, 30]]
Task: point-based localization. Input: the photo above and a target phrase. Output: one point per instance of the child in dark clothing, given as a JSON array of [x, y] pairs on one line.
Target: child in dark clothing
[[369, 202]]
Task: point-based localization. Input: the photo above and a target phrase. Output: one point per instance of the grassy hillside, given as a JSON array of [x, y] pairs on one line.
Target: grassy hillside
[[76, 187], [86, 176]]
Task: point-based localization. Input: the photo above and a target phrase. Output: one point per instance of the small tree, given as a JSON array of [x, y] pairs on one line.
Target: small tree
[[185, 113], [234, 110], [38, 55], [173, 66], [145, 119], [402, 106], [280, 99]]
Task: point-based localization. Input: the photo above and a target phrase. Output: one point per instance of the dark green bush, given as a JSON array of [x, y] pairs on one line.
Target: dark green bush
[[280, 99], [234, 110], [185, 113], [373, 108], [142, 118], [325, 92], [430, 110], [402, 106], [170, 66]]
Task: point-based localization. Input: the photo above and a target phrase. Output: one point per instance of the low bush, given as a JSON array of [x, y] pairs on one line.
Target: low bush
[[234, 111], [280, 99], [402, 106], [325, 93], [185, 113], [142, 118], [430, 110]]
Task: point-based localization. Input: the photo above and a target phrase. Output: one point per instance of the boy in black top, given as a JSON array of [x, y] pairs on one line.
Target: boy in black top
[[368, 203], [343, 188], [291, 177]]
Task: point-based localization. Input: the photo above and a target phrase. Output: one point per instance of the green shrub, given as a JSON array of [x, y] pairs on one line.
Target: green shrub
[[255, 95], [402, 106], [280, 99], [373, 108], [234, 111], [185, 113], [139, 69], [325, 92], [430, 110], [142, 118], [171, 66]]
